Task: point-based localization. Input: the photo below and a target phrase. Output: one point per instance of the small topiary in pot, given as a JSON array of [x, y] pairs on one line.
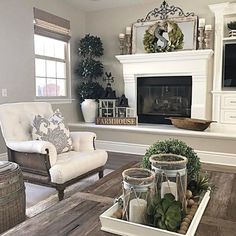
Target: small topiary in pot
[[89, 69], [178, 147]]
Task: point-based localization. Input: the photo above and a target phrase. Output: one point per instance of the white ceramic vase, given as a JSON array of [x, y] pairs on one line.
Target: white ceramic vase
[[89, 109]]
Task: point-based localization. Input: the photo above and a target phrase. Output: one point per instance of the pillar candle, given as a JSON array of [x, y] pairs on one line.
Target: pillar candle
[[121, 36], [137, 209], [208, 27], [202, 22], [128, 30], [169, 187]]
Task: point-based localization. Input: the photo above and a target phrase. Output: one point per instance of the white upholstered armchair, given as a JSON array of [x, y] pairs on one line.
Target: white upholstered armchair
[[39, 160]]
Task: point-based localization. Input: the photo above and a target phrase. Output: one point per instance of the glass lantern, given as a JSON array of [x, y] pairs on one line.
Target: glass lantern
[[107, 107], [171, 175], [123, 112], [138, 186]]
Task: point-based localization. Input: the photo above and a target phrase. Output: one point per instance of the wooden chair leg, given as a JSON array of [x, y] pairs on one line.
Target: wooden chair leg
[[60, 191], [101, 174]]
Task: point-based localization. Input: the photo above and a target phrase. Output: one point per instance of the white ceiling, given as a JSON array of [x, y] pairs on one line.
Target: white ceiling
[[94, 5]]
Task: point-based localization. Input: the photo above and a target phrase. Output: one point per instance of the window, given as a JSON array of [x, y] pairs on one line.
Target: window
[[50, 67], [51, 48]]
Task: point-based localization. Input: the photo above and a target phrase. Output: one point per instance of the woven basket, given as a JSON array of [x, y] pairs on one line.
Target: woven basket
[[12, 196]]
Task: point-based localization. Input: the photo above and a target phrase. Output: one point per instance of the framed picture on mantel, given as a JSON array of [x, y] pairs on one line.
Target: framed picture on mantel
[[188, 26]]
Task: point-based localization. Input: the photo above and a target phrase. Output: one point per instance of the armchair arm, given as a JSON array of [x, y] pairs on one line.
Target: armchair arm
[[35, 146], [83, 141]]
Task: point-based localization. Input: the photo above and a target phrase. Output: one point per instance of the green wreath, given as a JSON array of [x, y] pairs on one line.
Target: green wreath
[[176, 38]]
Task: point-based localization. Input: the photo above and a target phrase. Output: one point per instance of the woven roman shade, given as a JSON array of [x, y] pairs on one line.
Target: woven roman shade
[[49, 25]]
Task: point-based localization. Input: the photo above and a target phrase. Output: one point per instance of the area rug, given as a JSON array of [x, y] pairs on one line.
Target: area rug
[[35, 192]]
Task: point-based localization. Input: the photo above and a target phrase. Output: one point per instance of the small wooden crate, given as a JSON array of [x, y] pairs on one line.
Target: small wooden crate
[[116, 121]]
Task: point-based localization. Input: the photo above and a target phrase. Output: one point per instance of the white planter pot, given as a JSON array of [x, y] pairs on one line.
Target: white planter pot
[[89, 109]]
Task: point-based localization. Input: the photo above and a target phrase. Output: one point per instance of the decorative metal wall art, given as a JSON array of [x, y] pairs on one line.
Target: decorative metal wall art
[[180, 35], [164, 12], [186, 25]]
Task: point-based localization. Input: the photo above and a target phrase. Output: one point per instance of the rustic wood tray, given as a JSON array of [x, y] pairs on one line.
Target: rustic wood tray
[[189, 123], [124, 228]]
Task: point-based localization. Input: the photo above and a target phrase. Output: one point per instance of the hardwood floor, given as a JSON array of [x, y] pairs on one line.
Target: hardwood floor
[[117, 160], [219, 168], [79, 214]]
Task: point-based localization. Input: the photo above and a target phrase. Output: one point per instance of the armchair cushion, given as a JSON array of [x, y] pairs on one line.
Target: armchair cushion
[[72, 164], [52, 130], [83, 141], [42, 147], [16, 119]]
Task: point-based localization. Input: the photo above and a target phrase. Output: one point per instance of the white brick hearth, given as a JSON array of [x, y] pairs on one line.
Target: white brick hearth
[[195, 63]]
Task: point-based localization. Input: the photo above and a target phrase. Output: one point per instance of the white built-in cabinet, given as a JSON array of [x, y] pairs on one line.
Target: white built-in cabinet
[[224, 100]]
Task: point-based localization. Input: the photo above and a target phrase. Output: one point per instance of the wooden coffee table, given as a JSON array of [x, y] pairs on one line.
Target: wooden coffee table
[[79, 214]]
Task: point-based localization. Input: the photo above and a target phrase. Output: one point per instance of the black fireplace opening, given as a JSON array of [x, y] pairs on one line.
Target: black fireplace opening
[[161, 97]]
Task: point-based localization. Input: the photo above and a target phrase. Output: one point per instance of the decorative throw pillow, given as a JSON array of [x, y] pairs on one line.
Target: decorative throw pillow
[[52, 130]]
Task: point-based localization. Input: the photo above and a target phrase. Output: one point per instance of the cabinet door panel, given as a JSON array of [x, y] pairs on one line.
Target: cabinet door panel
[[228, 101], [228, 117]]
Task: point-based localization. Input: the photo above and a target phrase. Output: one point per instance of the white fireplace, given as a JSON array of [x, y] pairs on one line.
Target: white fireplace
[[197, 64]]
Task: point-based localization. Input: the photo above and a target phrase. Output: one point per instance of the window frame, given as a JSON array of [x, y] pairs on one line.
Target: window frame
[[56, 99]]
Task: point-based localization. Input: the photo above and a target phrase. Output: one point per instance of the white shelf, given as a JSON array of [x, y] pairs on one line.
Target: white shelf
[[229, 38], [212, 132]]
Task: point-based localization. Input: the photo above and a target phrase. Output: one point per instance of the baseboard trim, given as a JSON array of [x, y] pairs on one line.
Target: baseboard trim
[[3, 156], [129, 148], [140, 149]]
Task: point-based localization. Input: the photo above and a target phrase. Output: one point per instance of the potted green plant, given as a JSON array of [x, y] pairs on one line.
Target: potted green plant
[[89, 70], [177, 147]]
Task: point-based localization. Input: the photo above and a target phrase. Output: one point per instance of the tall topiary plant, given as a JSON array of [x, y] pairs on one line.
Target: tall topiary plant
[[178, 147], [90, 68]]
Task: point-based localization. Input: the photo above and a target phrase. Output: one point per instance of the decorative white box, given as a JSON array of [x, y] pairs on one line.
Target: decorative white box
[[125, 228]]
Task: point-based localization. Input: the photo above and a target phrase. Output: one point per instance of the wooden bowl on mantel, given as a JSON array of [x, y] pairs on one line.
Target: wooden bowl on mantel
[[189, 123]]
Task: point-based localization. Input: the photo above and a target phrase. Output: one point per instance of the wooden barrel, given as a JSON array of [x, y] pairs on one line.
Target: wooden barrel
[[12, 195]]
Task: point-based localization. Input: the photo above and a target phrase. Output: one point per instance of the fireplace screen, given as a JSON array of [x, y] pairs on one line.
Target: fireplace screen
[[163, 97]]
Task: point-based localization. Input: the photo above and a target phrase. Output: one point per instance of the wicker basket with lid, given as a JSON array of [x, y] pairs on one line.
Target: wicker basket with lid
[[12, 195]]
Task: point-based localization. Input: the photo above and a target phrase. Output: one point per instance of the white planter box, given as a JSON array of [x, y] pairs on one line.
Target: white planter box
[[125, 228]]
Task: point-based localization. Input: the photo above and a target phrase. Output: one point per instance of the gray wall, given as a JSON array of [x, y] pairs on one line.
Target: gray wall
[[109, 23], [16, 42], [17, 54]]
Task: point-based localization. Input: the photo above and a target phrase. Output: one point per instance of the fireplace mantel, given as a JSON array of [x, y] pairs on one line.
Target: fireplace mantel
[[194, 63], [166, 56]]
